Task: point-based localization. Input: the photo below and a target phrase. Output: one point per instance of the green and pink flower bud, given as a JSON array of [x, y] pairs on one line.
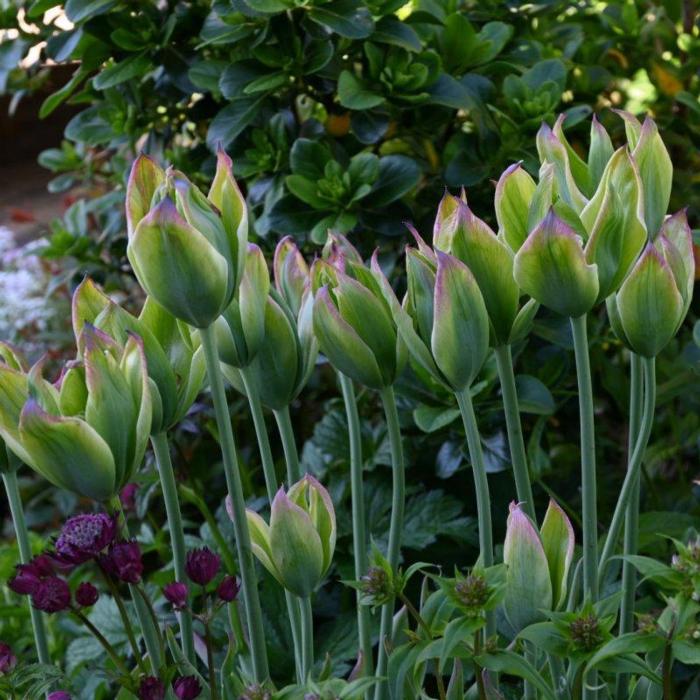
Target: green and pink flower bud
[[551, 267], [291, 273], [297, 546]]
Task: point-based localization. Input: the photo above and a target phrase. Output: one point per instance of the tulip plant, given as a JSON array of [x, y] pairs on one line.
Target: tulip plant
[[536, 616]]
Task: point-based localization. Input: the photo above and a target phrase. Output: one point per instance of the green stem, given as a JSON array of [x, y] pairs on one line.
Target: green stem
[[307, 636], [588, 468], [398, 498], [632, 476], [168, 485], [25, 554], [481, 488], [272, 485], [149, 631], [629, 576], [291, 456], [518, 456], [359, 530], [531, 656], [240, 523], [213, 685], [116, 659]]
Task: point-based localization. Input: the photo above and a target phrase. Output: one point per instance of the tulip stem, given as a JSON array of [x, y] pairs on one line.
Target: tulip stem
[[240, 524], [398, 498], [588, 468], [168, 485], [359, 530], [481, 488], [291, 456], [307, 636], [9, 478], [272, 485], [629, 576], [149, 630], [632, 477], [518, 457]]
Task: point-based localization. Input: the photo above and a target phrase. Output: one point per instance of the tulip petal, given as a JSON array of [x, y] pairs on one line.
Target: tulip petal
[[67, 452], [291, 273], [460, 337], [323, 517], [528, 585], [600, 151], [443, 226], [145, 178], [491, 263], [260, 542], [579, 168], [514, 193], [551, 267], [252, 297], [14, 391], [558, 541], [178, 266], [421, 292]]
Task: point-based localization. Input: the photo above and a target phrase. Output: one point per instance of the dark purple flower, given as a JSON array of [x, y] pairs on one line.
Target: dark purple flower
[[7, 659], [127, 496], [86, 595], [59, 695], [187, 687], [151, 689], [202, 565], [176, 593], [228, 589], [123, 561], [51, 595], [83, 537]]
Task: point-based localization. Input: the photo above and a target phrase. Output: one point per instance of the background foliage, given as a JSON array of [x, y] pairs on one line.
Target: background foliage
[[354, 115]]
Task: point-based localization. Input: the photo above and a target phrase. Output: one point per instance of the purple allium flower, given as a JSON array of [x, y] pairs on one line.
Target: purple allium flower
[[86, 595], [127, 496], [59, 695], [7, 659], [84, 536], [151, 689], [228, 589], [176, 594], [187, 687], [123, 561], [202, 565], [51, 595]]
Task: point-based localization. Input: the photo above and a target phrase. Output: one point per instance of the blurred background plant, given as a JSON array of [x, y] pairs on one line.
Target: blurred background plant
[[355, 115]]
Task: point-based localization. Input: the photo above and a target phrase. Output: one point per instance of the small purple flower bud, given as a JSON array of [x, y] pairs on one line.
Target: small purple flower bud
[[7, 659], [187, 687], [84, 536], [176, 594], [59, 695], [86, 595], [127, 496], [151, 689], [51, 595], [202, 565], [25, 580], [124, 561], [228, 589]]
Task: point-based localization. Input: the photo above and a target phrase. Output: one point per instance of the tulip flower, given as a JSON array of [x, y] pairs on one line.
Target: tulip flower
[[297, 546], [187, 250], [537, 564], [88, 434]]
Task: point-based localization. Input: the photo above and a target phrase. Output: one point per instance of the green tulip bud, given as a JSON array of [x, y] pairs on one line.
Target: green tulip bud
[[443, 228], [654, 298], [92, 449], [490, 260], [551, 267], [614, 221], [297, 547], [240, 330], [291, 273], [528, 590], [175, 361], [353, 323], [558, 541], [514, 193]]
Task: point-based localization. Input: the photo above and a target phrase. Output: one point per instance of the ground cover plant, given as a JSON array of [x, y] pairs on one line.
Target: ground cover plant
[[536, 606]]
